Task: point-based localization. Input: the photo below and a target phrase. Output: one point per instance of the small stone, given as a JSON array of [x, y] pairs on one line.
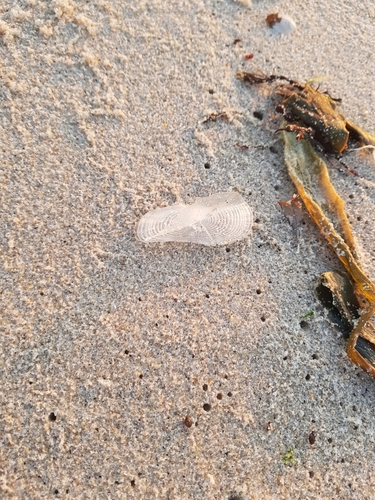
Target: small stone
[[245, 3], [281, 24], [188, 422], [312, 437]]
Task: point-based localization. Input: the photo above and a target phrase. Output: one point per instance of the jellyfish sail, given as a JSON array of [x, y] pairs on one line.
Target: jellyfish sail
[[219, 219]]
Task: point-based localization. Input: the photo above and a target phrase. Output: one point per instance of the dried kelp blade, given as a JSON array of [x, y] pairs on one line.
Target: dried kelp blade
[[360, 134], [219, 219], [361, 343], [335, 292], [365, 347], [318, 111], [310, 176]]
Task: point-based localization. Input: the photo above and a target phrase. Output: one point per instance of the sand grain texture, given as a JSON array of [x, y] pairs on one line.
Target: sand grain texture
[[107, 344]]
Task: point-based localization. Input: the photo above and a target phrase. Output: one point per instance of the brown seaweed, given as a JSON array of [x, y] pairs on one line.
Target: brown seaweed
[[310, 175], [312, 117]]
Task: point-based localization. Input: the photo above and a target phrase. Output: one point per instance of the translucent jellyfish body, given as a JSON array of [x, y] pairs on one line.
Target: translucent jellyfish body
[[219, 219]]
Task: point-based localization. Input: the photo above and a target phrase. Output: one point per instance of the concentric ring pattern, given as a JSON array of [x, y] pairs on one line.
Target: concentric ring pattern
[[219, 219]]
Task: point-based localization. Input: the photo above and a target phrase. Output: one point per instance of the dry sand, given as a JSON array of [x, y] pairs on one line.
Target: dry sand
[[108, 344]]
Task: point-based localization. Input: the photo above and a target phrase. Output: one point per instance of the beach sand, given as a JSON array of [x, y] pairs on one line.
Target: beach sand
[[173, 371]]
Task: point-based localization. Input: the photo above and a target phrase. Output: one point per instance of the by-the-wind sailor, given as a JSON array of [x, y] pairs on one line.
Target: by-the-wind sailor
[[219, 219]]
